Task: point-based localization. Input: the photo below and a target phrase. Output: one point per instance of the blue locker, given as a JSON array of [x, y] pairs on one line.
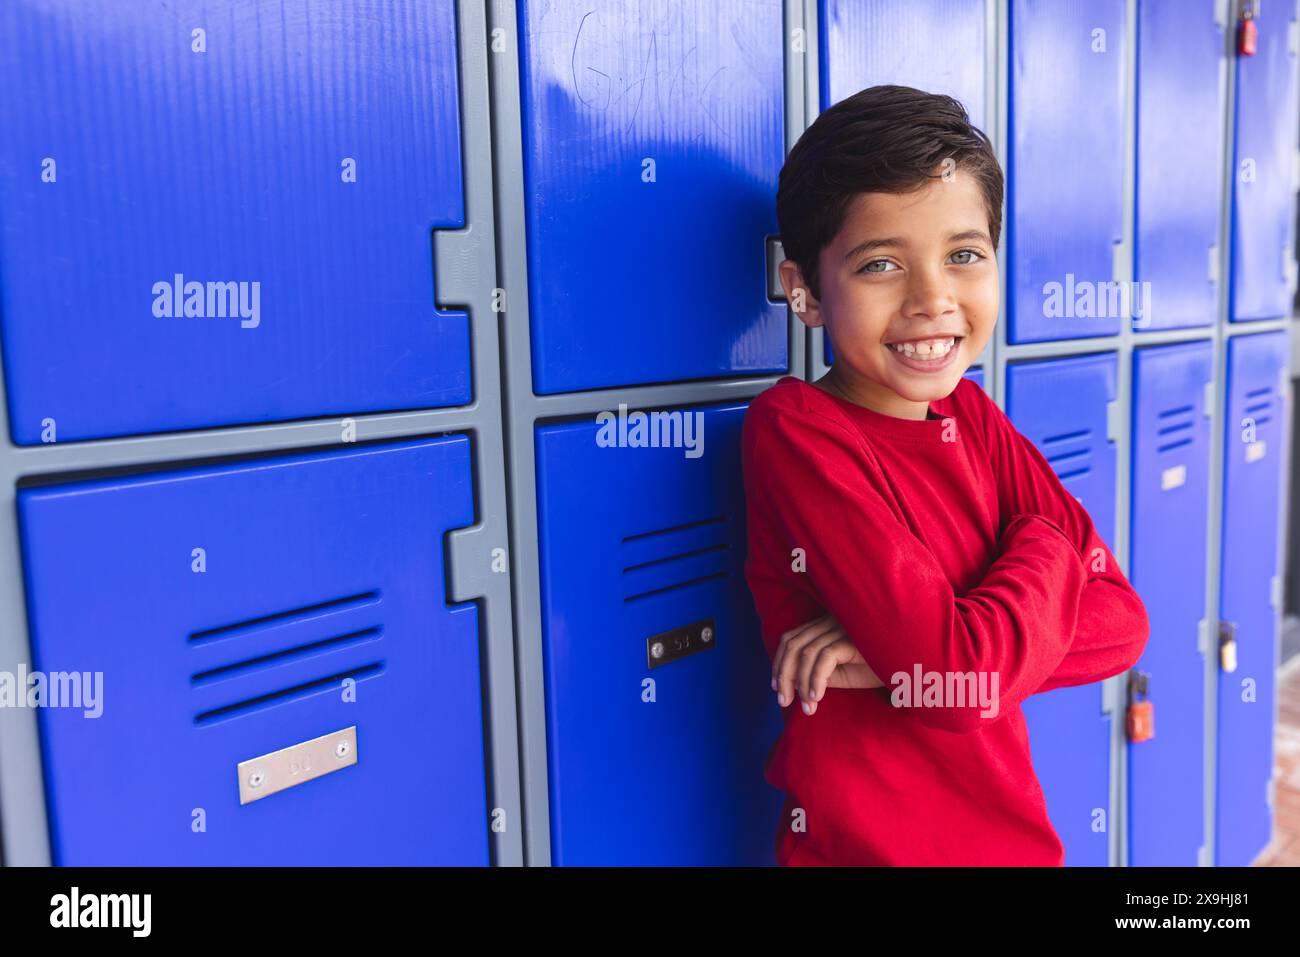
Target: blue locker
[[933, 45], [1264, 184], [1252, 487], [1065, 169], [976, 375], [1061, 406], [652, 140], [1170, 482], [638, 543], [178, 175], [1180, 107], [320, 567]]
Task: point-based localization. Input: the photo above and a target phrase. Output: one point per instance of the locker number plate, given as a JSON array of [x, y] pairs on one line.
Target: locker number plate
[[271, 773], [680, 642]]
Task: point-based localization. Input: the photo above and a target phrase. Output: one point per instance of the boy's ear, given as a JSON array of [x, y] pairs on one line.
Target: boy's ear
[[797, 294]]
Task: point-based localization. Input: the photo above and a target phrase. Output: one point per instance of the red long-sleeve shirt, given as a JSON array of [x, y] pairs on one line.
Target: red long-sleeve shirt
[[948, 544]]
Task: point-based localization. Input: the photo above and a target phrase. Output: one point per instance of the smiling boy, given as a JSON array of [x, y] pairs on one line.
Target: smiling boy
[[901, 530]]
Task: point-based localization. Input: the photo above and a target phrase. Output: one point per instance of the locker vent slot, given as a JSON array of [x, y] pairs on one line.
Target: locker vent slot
[[286, 695], [702, 543], [1256, 410], [1069, 463], [306, 613], [1180, 418], [668, 530], [675, 586], [264, 662], [1075, 436]]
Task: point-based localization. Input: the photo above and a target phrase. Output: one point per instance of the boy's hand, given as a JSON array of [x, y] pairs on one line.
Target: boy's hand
[[815, 656]]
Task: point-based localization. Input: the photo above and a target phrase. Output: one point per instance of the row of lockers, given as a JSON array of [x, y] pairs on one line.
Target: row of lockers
[[227, 606], [202, 226]]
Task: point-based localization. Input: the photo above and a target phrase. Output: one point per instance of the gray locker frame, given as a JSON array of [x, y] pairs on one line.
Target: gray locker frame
[[998, 353], [465, 267]]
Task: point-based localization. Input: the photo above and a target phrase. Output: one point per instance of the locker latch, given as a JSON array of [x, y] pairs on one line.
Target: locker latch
[[1247, 30], [1228, 646], [1141, 713]]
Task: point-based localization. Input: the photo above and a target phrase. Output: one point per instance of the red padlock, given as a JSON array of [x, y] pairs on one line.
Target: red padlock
[[1141, 714], [1247, 30]]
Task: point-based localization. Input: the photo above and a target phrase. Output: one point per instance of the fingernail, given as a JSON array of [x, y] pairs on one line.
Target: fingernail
[[780, 699], [773, 684], [807, 708]]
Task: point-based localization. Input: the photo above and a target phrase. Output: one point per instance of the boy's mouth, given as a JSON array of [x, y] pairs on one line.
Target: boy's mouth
[[926, 355]]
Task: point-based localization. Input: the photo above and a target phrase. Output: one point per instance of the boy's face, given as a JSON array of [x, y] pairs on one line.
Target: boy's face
[[918, 266]]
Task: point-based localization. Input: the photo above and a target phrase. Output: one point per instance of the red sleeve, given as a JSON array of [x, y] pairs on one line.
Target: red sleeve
[[811, 483], [1112, 628]]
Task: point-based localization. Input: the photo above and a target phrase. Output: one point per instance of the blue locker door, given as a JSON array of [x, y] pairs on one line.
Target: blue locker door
[[933, 45], [1065, 195], [652, 764], [146, 172], [1180, 107], [1264, 184], [653, 135], [316, 604], [1252, 477], [1171, 465], [1060, 405], [976, 375]]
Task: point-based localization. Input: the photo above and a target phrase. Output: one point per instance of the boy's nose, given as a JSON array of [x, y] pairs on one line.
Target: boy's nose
[[928, 296]]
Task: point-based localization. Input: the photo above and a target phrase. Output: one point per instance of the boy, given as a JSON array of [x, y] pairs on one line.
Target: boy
[[907, 545]]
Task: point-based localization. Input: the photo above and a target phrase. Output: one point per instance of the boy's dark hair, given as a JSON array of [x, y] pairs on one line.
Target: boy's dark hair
[[884, 139]]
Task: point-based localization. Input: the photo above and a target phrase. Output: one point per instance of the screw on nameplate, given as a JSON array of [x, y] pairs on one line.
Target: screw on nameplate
[[669, 646], [274, 772]]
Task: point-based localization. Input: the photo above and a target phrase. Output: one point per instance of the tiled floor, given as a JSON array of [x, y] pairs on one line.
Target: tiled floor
[[1285, 849]]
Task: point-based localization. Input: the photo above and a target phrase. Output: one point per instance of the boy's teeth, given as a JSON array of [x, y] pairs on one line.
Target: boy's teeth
[[926, 349]]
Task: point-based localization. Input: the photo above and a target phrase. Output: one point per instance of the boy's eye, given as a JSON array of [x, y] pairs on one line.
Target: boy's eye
[[884, 265], [967, 252]]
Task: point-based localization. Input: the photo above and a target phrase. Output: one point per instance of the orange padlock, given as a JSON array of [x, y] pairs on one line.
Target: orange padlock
[[1247, 30], [1141, 714]]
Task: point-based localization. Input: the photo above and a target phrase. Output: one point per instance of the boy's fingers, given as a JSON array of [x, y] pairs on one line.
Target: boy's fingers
[[808, 656], [828, 660], [832, 635], [784, 662]]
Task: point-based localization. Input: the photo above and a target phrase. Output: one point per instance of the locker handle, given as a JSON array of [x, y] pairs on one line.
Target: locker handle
[[775, 253], [1228, 646]]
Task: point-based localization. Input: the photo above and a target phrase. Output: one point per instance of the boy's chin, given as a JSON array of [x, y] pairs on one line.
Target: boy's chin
[[922, 386]]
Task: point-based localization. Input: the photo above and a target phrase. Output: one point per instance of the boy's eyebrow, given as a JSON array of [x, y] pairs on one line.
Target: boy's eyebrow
[[871, 244]]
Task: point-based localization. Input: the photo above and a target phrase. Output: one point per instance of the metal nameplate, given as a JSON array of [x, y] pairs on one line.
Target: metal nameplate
[[680, 642], [271, 773]]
